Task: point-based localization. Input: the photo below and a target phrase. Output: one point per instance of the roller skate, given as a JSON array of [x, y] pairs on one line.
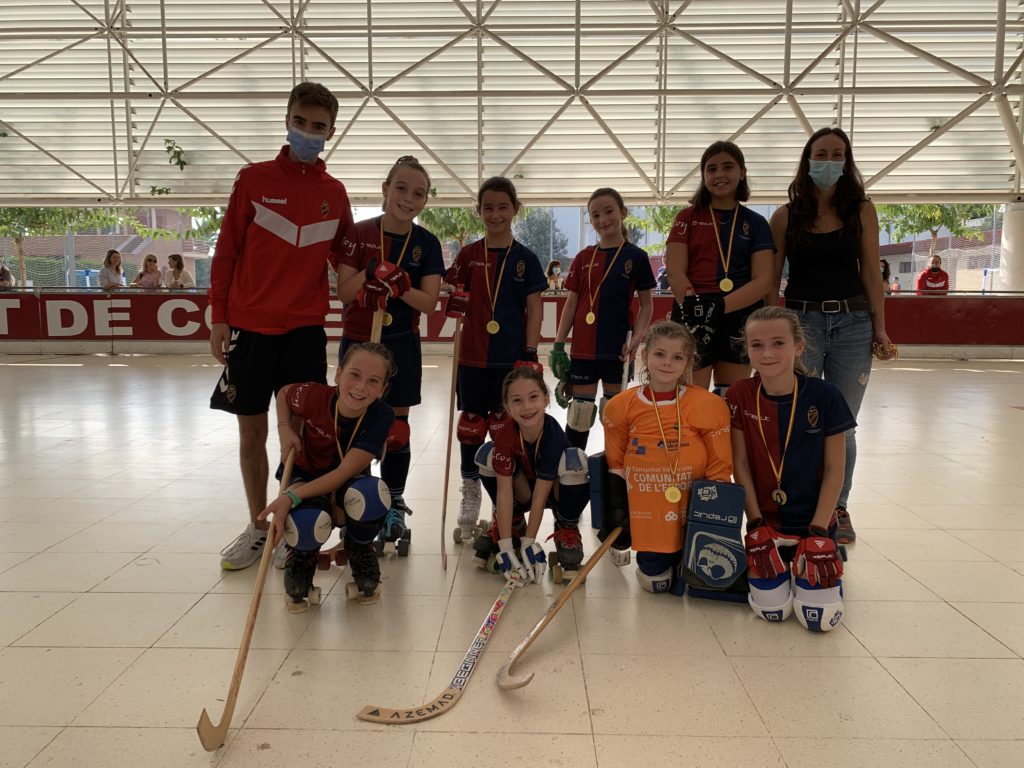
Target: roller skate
[[365, 584], [486, 544], [567, 557], [469, 525], [395, 530], [299, 568]]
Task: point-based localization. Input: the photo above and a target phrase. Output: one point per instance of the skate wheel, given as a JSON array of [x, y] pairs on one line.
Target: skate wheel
[[295, 607], [402, 545], [352, 591], [552, 560], [323, 561], [370, 599], [378, 547], [313, 596], [491, 566], [556, 573], [407, 534], [457, 535]]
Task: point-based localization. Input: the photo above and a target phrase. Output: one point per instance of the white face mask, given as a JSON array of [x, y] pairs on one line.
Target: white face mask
[[556, 270]]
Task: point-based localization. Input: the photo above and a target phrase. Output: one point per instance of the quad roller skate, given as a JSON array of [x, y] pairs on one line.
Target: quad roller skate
[[567, 556], [395, 530], [469, 526], [486, 544], [299, 568], [365, 584]]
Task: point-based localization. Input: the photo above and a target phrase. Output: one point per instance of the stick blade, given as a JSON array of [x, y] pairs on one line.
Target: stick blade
[[448, 699], [509, 682], [210, 736]]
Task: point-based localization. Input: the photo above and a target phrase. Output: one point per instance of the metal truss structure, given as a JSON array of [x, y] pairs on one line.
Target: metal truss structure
[[564, 96]]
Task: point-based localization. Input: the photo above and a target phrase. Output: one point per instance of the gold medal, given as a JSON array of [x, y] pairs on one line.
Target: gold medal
[[591, 317], [493, 327], [388, 319], [673, 495], [779, 496], [725, 284]]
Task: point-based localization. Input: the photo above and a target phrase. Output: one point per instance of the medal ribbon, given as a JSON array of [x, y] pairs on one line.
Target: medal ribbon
[[405, 245], [789, 433], [493, 295], [679, 432], [536, 452], [725, 257], [337, 430], [591, 293]]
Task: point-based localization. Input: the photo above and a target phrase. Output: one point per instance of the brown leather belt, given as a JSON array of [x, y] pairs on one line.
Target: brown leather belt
[[830, 306]]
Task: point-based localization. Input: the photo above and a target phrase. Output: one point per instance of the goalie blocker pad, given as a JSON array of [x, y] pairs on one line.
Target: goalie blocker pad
[[714, 563]]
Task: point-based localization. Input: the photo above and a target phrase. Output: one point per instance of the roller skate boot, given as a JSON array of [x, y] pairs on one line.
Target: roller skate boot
[[395, 530], [469, 526], [486, 547], [365, 584], [299, 568], [567, 558]]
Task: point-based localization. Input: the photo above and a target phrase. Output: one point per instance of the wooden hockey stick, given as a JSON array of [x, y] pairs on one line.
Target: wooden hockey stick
[[449, 696], [212, 736], [505, 680], [448, 442]]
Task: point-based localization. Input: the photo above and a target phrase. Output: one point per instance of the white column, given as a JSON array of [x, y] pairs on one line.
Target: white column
[[1011, 250]]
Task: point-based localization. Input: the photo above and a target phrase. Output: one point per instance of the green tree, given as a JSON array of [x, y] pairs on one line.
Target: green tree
[[537, 230], [902, 221], [656, 218], [457, 224]]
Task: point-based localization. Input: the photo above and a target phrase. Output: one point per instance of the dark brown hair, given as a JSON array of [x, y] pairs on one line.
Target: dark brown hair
[[179, 263], [498, 184], [523, 372], [374, 349], [313, 95], [614, 195], [702, 197]]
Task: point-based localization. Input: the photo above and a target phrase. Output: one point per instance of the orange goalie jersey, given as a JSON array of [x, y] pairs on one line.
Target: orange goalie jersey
[[633, 441]]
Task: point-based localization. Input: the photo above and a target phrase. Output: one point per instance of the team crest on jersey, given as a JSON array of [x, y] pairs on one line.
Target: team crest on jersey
[[520, 268], [812, 416], [746, 229], [417, 254], [628, 267], [325, 209]]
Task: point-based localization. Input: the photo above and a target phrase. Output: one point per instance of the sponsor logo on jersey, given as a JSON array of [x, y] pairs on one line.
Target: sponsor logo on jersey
[[812, 416], [671, 517], [681, 226], [325, 209], [275, 200]]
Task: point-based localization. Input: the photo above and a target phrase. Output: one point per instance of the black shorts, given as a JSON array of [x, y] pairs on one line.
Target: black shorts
[[479, 389], [404, 386], [259, 364], [727, 341], [584, 372]]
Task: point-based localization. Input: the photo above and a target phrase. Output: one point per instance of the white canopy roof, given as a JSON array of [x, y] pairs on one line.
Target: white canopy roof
[[562, 95]]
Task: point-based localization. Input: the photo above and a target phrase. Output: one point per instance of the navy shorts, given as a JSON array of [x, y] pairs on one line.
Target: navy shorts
[[259, 364], [586, 372], [404, 386], [727, 340], [479, 389]]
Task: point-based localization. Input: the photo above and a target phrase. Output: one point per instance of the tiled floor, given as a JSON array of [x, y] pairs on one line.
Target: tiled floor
[[117, 627]]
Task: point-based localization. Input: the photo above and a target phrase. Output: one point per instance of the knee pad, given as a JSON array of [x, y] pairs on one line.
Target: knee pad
[[485, 460], [772, 599], [654, 571], [309, 525], [471, 429], [573, 485], [603, 403], [398, 436], [720, 391], [572, 467], [714, 555], [497, 421], [819, 609], [367, 499], [581, 415]]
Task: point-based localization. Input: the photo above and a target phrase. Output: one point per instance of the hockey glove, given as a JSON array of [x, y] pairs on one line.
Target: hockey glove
[[558, 361], [451, 277], [394, 277], [373, 295], [563, 393], [457, 304], [534, 559], [615, 514], [817, 559], [703, 310], [509, 562], [528, 359], [763, 559]]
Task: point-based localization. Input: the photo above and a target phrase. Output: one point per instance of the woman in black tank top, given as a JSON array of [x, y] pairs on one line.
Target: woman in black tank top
[[829, 234]]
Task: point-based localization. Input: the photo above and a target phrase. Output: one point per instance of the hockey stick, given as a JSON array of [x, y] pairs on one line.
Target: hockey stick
[[212, 736], [449, 696], [448, 443], [505, 680]]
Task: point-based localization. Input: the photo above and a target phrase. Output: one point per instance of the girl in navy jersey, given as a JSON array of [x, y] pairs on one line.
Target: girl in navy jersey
[[530, 466], [788, 443], [719, 262], [503, 281], [601, 284], [343, 429], [391, 263]]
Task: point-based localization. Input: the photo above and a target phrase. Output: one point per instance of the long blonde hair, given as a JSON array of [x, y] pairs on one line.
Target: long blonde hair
[[669, 329], [789, 316]]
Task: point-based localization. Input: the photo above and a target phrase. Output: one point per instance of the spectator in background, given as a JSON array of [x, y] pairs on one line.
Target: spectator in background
[[886, 274], [110, 275], [662, 279], [6, 276], [176, 275], [895, 287], [150, 276], [933, 281], [555, 281]]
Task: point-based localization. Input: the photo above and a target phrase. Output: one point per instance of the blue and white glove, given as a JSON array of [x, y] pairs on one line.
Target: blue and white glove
[[534, 559], [509, 562]]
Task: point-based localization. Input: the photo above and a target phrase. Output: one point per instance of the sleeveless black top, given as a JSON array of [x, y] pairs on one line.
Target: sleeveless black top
[[823, 266]]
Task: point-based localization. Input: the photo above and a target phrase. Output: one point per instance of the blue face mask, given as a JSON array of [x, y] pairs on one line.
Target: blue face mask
[[825, 173], [306, 146]]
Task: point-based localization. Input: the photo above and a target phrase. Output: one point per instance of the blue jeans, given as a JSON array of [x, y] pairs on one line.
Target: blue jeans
[[839, 350]]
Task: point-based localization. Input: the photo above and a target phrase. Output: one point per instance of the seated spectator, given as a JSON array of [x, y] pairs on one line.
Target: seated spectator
[[555, 281], [662, 279], [110, 275], [150, 276], [895, 287], [933, 281], [176, 275], [6, 276]]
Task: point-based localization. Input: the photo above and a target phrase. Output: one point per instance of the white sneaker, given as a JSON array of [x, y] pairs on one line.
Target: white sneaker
[[245, 550], [280, 555], [469, 507]]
